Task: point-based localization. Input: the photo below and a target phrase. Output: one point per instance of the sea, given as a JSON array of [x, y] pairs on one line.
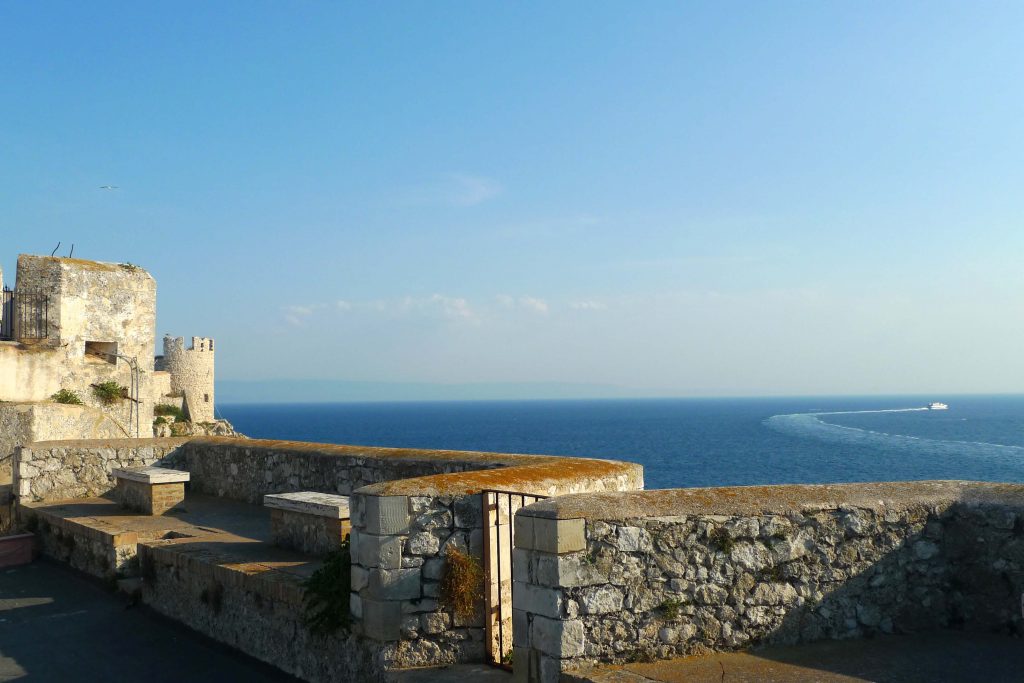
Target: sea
[[692, 442]]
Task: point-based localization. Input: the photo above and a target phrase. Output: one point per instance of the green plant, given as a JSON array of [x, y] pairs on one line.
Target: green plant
[[68, 397], [179, 429], [326, 600], [462, 583], [159, 421], [669, 608], [163, 409], [721, 539], [109, 392]]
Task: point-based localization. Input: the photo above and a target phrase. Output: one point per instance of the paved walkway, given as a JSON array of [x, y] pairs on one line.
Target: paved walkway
[[57, 626], [947, 656]]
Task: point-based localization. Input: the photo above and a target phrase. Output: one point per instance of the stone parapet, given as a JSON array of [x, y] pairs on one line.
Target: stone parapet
[[616, 577]]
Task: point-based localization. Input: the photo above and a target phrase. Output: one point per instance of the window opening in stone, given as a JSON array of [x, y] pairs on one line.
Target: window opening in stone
[[101, 352]]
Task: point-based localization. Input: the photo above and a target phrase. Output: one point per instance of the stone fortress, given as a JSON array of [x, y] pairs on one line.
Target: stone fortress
[[71, 325], [558, 568]]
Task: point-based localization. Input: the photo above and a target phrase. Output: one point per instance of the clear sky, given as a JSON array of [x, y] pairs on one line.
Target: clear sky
[[720, 198]]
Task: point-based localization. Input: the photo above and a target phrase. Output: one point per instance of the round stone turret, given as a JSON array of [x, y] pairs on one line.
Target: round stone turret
[[191, 374]]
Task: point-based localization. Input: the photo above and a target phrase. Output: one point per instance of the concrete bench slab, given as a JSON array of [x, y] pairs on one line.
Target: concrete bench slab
[[152, 475], [310, 503], [308, 521], [150, 490]]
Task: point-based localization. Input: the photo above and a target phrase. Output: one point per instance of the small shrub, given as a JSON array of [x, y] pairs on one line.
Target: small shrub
[[462, 583], [669, 608], [163, 409], [326, 600], [67, 397], [109, 392], [159, 421], [721, 539], [179, 429]]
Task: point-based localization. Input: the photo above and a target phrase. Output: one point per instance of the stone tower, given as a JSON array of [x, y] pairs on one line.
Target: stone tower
[[191, 374]]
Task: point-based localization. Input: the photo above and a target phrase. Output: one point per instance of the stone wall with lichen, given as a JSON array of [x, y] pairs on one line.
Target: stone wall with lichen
[[722, 569], [23, 423], [88, 301], [262, 617], [58, 470]]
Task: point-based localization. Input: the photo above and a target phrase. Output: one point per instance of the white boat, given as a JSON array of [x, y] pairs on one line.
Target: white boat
[[937, 406]]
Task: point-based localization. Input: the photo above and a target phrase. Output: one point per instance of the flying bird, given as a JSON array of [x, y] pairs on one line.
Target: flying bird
[[109, 187]]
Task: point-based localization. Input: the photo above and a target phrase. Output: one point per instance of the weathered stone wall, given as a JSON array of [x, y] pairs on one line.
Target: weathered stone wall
[[58, 470], [616, 578], [90, 550], [250, 468], [401, 534], [309, 534], [192, 374], [263, 618], [22, 423], [89, 301]]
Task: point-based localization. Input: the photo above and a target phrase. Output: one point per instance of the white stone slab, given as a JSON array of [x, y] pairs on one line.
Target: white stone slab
[[310, 503], [152, 475]]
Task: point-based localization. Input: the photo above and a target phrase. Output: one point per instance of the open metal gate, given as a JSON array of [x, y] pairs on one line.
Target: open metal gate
[[499, 509]]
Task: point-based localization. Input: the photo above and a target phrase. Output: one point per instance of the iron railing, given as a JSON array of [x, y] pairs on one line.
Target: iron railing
[[24, 314], [499, 510]]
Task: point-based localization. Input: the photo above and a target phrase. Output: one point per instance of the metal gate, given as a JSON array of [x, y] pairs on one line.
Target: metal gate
[[24, 314], [499, 509]]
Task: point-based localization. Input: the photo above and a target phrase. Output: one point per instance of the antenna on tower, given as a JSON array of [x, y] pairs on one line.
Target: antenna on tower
[[55, 249]]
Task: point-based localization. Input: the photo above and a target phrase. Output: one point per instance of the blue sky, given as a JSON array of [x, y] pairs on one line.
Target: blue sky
[[667, 198]]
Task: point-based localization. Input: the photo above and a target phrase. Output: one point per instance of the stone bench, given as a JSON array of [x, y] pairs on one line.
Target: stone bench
[[307, 521], [150, 490]]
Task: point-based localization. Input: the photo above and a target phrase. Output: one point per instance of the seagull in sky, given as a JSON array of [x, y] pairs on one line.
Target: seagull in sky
[[109, 187]]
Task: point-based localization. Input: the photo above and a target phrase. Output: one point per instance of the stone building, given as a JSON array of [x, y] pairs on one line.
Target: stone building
[[78, 326]]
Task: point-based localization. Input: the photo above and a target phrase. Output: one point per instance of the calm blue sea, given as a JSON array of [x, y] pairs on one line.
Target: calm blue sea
[[692, 442]]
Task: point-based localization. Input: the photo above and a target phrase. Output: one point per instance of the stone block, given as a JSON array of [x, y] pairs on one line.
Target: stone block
[[355, 606], [521, 671], [468, 512], [382, 619], [601, 600], [566, 570], [394, 584], [559, 535], [384, 552], [537, 599], [521, 565], [520, 628], [423, 543], [523, 532], [386, 515], [359, 578], [557, 638]]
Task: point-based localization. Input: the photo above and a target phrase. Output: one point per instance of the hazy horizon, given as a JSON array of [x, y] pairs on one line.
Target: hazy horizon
[[754, 199]]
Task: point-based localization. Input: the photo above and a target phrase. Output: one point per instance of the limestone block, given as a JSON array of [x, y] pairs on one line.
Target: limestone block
[[537, 600], [424, 543], [382, 619], [561, 639], [600, 600], [558, 535], [523, 532], [520, 628], [359, 578], [566, 570], [387, 515], [394, 584], [310, 503], [380, 551]]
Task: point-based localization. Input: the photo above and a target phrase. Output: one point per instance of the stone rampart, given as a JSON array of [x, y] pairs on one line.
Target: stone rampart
[[22, 423], [633, 576], [58, 470]]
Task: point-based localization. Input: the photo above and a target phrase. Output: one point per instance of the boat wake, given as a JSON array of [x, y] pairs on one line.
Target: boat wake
[[811, 425]]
